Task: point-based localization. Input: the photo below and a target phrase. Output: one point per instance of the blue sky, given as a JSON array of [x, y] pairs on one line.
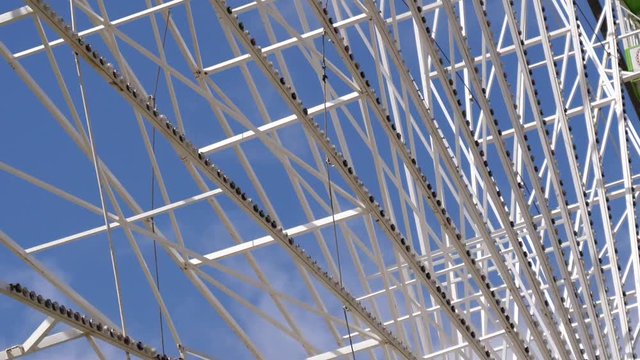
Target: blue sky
[[35, 143], [38, 146]]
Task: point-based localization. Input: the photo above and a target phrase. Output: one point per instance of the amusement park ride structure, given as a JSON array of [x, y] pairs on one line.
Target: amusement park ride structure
[[320, 179]]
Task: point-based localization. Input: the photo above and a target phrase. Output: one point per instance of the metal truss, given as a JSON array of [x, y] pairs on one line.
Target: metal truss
[[334, 179]]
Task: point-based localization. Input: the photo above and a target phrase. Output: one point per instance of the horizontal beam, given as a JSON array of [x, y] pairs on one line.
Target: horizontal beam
[[346, 350], [266, 240], [14, 15], [278, 124], [96, 29], [116, 224]]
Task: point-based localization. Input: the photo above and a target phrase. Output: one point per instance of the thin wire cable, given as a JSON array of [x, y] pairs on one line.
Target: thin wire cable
[[94, 158], [333, 212], [597, 34], [473, 98], [153, 181], [155, 245]]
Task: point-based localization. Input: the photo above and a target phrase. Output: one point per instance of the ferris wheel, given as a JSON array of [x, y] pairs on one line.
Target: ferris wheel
[[319, 179]]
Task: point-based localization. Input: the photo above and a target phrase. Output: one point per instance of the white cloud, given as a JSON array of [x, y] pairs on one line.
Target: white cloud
[[274, 343]]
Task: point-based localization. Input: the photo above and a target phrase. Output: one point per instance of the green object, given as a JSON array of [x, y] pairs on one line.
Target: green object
[[633, 65], [627, 57], [633, 5]]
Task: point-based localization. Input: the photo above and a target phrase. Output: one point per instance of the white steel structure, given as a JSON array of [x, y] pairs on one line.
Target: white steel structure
[[433, 179]]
